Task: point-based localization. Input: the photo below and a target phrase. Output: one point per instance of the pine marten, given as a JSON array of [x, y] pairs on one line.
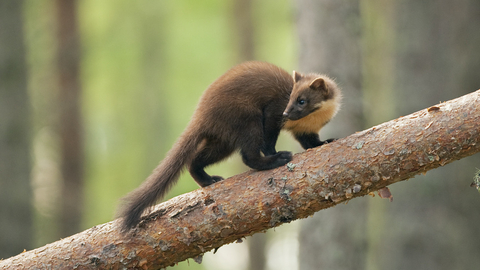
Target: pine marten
[[243, 109]]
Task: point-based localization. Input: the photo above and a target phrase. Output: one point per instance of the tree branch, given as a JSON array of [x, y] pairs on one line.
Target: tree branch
[[194, 223]]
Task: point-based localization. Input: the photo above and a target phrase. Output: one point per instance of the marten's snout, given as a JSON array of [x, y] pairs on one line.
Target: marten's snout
[[287, 111]]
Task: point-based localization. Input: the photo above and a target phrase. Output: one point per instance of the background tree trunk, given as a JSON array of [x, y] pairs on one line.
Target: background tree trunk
[[378, 45], [436, 51], [244, 36], [412, 45], [243, 27], [70, 129], [329, 35], [15, 190]]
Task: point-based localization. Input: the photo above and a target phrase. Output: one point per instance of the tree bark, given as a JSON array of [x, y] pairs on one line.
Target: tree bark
[[194, 223]]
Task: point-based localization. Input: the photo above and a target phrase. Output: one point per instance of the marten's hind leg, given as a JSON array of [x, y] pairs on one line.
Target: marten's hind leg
[[213, 152], [252, 143], [271, 130]]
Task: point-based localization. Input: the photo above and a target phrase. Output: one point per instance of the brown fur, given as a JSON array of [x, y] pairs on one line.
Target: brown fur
[[243, 109]]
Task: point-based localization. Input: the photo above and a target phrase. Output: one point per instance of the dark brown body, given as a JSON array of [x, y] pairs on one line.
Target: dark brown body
[[243, 109]]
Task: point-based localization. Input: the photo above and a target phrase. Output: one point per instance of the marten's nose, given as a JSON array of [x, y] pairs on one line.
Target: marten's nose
[[285, 114]]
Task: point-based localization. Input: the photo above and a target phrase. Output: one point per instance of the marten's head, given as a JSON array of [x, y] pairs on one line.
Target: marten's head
[[312, 93]]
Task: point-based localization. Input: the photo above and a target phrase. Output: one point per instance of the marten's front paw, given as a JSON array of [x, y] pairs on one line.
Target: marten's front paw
[[216, 178], [284, 156], [330, 140]]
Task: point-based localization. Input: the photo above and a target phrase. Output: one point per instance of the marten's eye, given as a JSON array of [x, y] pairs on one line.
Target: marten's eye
[[301, 101]]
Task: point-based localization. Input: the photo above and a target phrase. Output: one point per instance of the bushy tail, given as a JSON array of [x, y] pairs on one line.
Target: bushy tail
[[159, 182]]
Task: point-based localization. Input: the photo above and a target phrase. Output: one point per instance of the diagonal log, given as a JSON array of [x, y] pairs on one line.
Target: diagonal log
[[194, 223]]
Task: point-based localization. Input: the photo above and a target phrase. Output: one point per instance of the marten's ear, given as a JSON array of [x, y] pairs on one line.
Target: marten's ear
[[319, 84], [296, 76]]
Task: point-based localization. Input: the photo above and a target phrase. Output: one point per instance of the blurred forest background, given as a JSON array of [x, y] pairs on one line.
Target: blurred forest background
[[94, 93]]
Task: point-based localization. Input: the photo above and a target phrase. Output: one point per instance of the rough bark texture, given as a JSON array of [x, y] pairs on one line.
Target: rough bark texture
[[199, 221]]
